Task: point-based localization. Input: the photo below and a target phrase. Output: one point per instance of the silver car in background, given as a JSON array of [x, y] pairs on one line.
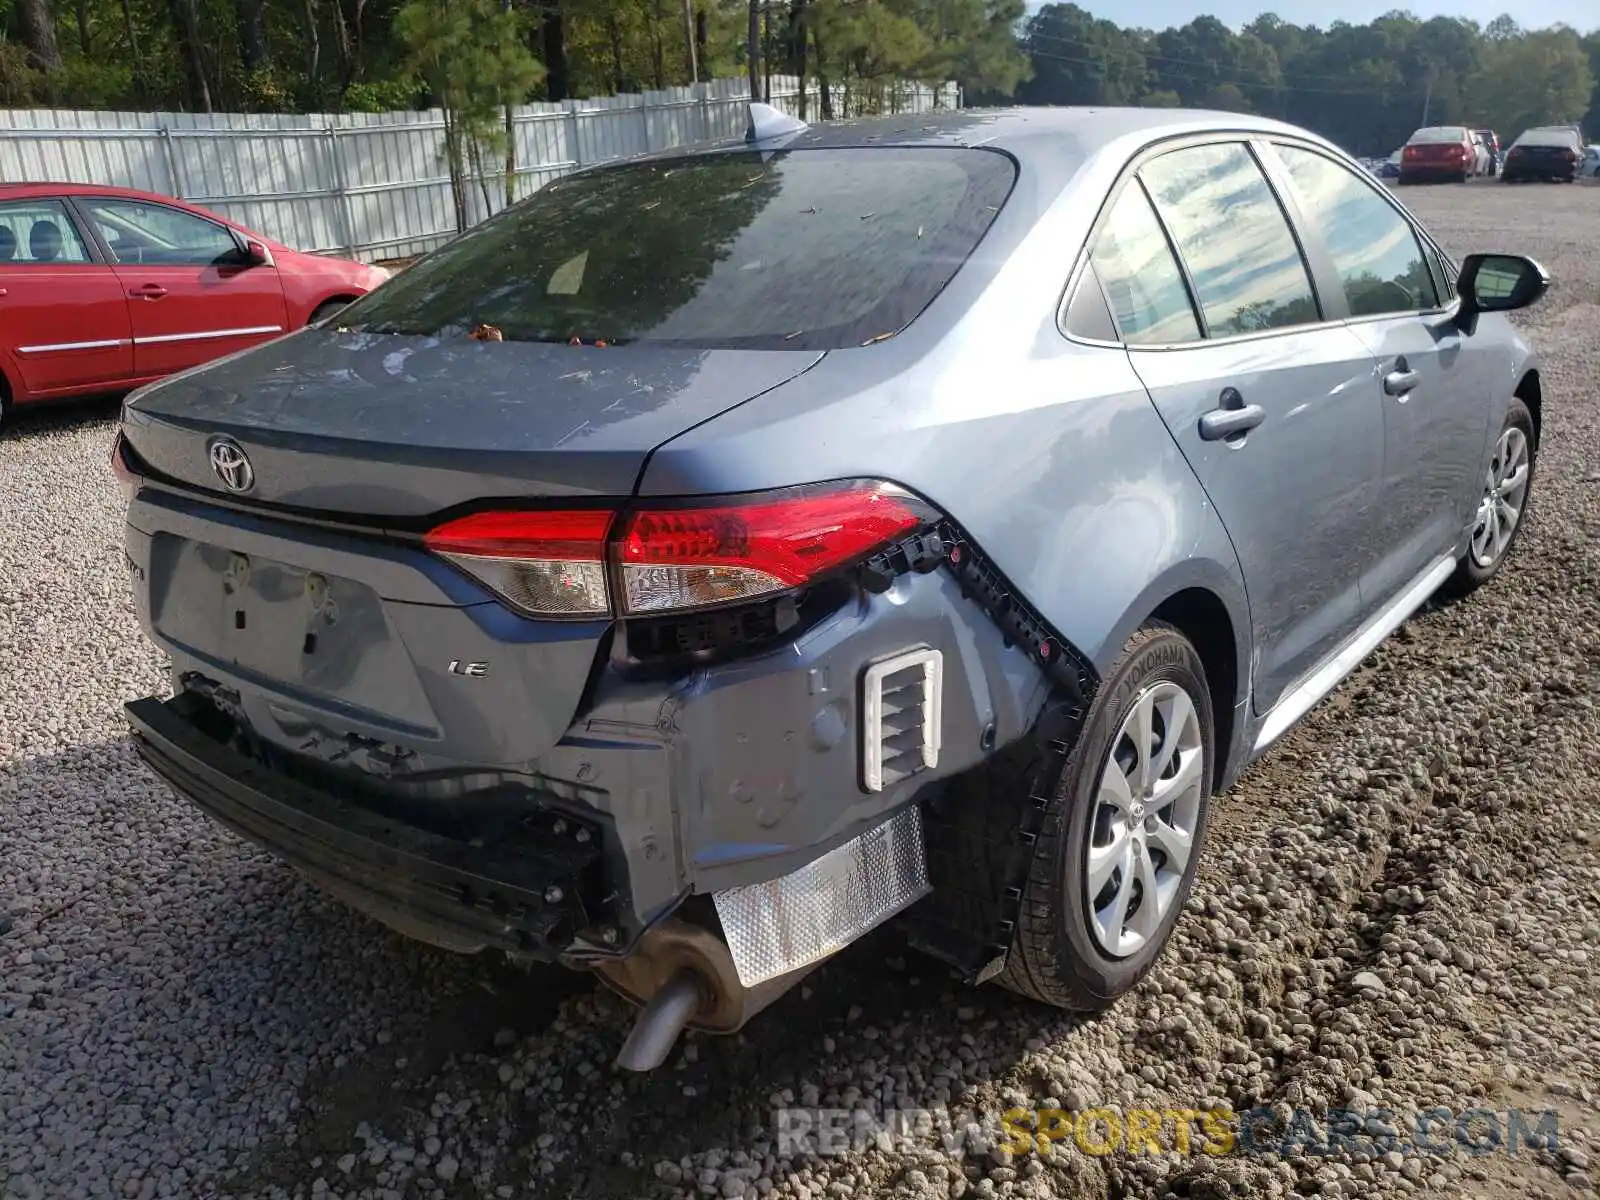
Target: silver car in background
[[720, 553]]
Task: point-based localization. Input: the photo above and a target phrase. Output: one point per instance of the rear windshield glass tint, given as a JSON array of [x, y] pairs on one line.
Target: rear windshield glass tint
[[1548, 137], [806, 249], [1444, 133]]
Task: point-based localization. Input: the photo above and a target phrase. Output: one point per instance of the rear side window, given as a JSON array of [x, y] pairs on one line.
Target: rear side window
[[34, 232], [1246, 266], [1374, 248], [1143, 282], [803, 249]]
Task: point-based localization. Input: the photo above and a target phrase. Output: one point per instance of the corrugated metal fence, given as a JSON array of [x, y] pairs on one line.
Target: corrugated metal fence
[[371, 185]]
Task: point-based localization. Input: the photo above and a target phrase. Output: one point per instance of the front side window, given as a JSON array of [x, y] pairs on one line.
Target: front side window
[[1143, 282], [801, 249], [155, 235], [36, 232], [1247, 270], [1375, 249]]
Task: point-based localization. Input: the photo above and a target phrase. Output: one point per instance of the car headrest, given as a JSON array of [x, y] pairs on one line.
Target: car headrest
[[44, 241]]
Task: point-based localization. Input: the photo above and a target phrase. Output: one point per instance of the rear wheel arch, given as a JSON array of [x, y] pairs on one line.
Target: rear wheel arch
[[1202, 617]]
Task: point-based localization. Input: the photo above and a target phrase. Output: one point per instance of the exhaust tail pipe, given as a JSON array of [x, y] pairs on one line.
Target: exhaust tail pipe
[[682, 975], [666, 1016], [685, 975]]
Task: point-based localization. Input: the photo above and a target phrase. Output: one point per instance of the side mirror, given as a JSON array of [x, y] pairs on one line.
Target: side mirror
[[1497, 283], [252, 253]]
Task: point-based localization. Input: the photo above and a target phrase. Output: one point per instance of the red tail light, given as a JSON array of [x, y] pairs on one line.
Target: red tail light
[[119, 467], [548, 564], [555, 564], [691, 557]]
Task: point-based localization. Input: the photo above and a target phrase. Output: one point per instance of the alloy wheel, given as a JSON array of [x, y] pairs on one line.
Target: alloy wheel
[[1505, 495], [1146, 812]]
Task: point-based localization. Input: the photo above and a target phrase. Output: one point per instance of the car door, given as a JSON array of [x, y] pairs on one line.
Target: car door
[[1434, 385], [1272, 406], [62, 316], [192, 294]]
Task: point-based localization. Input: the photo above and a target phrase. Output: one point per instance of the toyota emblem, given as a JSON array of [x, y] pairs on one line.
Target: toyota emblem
[[231, 465]]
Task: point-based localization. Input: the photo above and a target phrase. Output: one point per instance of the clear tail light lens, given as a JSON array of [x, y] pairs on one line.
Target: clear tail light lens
[[705, 555], [547, 564]]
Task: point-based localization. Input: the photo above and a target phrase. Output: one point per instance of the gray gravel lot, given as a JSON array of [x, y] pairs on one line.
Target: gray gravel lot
[[1400, 909]]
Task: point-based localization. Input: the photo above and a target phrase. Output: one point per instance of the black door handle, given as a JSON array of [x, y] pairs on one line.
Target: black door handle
[[1232, 420]]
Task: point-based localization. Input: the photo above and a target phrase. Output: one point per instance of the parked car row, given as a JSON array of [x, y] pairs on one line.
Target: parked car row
[[1455, 153], [105, 288]]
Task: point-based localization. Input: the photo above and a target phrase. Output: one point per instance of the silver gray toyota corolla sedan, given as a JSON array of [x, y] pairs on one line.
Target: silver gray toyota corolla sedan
[[722, 552]]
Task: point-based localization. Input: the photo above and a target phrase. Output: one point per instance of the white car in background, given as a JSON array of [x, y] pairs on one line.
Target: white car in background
[[1483, 157], [1591, 163]]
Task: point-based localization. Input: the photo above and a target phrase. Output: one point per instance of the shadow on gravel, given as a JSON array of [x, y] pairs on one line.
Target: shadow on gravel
[[140, 942], [876, 1010], [876, 1004], [57, 416]]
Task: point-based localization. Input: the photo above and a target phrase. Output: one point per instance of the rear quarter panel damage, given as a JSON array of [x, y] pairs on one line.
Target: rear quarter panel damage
[[1056, 464]]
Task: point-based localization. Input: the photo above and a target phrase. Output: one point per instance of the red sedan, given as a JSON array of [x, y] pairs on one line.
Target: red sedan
[[105, 288]]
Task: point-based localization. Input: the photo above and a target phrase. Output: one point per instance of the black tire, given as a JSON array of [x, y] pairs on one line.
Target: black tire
[[1054, 956], [326, 309], [1472, 574]]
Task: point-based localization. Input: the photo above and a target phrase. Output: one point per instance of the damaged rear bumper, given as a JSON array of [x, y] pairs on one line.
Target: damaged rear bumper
[[741, 781], [526, 894]]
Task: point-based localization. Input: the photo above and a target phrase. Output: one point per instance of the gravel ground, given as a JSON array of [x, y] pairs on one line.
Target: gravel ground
[[1398, 910]]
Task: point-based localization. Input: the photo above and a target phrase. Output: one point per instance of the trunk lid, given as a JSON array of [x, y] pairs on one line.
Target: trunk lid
[[383, 425], [1438, 152], [365, 651]]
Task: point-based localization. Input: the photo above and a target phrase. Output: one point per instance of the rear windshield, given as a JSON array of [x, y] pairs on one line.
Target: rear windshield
[[803, 249], [1441, 133], [1548, 137]]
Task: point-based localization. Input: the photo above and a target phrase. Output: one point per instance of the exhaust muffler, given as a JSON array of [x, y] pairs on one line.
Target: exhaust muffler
[[682, 975]]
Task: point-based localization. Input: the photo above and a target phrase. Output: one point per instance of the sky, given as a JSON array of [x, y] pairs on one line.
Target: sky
[[1158, 14]]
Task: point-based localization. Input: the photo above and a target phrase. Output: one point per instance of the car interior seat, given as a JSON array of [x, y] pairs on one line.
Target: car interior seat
[[44, 241]]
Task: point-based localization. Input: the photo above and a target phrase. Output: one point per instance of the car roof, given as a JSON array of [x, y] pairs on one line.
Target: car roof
[[1026, 132], [31, 191], [1049, 143]]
